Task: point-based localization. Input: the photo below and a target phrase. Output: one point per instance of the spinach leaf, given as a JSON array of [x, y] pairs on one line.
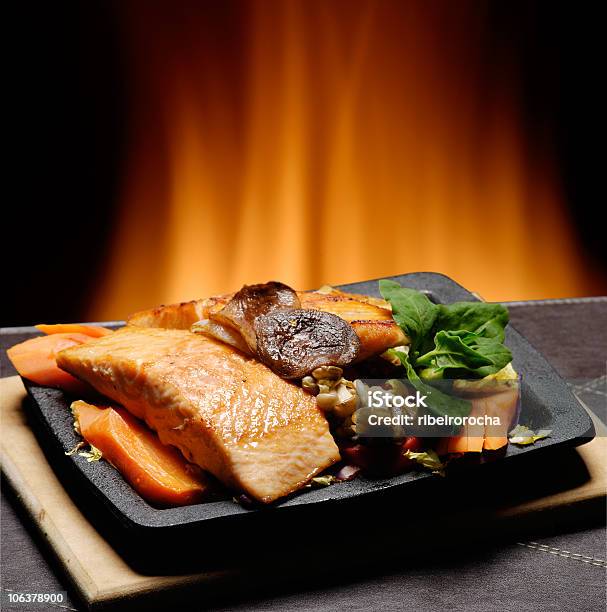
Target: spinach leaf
[[490, 348], [412, 310], [487, 320], [439, 403], [464, 339], [452, 352], [465, 354]]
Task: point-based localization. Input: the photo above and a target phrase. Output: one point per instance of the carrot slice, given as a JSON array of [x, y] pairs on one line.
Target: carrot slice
[[502, 405], [95, 331], [34, 359], [501, 402], [157, 472], [471, 436]]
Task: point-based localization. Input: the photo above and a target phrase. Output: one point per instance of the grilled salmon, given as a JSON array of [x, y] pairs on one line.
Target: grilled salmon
[[371, 317], [225, 412], [178, 316]]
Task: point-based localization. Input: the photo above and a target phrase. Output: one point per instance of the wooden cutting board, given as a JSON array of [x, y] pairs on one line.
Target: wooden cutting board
[[103, 578]]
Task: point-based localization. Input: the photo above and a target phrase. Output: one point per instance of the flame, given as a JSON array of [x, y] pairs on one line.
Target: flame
[[328, 143]]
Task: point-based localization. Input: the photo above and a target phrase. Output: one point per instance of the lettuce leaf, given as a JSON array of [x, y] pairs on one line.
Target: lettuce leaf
[[323, 481], [94, 454], [428, 459], [522, 435]]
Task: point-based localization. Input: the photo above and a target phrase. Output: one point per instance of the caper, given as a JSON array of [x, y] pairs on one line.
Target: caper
[[323, 387], [331, 372], [328, 382], [326, 401], [309, 384]]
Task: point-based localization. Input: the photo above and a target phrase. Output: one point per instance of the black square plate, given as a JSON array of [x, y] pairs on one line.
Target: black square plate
[[547, 403]]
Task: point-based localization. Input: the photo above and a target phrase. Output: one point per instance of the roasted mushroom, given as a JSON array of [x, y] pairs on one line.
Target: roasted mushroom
[[267, 321], [295, 342], [251, 302]]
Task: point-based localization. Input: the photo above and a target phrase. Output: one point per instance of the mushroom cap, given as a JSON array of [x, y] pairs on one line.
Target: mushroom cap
[[294, 342]]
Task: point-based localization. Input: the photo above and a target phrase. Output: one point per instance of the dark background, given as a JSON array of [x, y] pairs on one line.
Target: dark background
[[71, 112]]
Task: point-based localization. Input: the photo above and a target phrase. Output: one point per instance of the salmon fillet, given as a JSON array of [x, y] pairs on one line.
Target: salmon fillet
[[370, 317], [229, 414], [178, 316]]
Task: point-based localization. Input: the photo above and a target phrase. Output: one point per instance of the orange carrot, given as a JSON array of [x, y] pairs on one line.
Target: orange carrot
[[500, 402], [34, 359], [502, 405], [61, 328], [157, 472], [470, 439]]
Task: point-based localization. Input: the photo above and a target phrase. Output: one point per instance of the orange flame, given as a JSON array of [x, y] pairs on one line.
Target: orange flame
[[328, 143]]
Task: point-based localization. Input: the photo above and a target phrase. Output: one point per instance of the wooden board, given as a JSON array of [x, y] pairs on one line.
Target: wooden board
[[102, 577]]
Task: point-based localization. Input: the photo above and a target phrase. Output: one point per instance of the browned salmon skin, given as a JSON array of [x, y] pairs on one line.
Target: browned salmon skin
[[371, 317], [227, 413]]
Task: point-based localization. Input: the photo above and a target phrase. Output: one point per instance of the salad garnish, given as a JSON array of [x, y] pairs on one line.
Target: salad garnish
[[463, 340], [522, 435]]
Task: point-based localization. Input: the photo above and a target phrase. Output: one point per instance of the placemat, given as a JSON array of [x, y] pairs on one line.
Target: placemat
[[103, 578]]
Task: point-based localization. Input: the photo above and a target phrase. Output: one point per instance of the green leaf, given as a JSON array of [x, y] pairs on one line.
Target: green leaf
[[452, 352], [464, 339], [439, 403], [499, 355], [411, 309], [464, 354], [522, 435], [487, 320], [94, 454], [428, 459], [323, 481]]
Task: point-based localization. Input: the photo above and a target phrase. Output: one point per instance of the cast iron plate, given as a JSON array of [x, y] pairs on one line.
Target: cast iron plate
[[547, 403]]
